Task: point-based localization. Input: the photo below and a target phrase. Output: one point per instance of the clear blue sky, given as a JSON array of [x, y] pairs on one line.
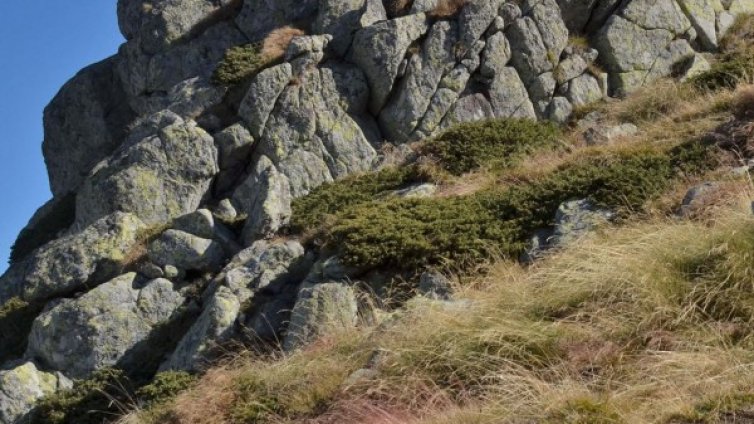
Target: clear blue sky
[[43, 43]]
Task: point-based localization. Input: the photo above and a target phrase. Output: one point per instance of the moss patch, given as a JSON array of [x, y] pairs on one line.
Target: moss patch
[[495, 144], [239, 64]]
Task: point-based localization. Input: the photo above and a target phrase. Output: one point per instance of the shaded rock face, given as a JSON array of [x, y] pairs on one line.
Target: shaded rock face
[[156, 168]]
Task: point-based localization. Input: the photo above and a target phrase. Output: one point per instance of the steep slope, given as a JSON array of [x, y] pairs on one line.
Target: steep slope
[[227, 178]]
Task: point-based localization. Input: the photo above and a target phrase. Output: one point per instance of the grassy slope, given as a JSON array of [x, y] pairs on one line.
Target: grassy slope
[[649, 321]]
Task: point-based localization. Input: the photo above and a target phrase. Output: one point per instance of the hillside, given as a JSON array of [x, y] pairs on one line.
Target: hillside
[[365, 211]]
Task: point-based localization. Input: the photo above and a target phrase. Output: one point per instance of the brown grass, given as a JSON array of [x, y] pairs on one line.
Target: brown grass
[[447, 8], [743, 102], [276, 43]]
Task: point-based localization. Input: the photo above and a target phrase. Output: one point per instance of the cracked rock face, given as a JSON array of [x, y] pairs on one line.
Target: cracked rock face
[[154, 167]]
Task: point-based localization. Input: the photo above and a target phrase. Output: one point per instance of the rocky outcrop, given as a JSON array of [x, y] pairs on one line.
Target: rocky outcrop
[[156, 168]]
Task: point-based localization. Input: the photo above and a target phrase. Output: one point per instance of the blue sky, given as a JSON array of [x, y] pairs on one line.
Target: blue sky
[[43, 43]]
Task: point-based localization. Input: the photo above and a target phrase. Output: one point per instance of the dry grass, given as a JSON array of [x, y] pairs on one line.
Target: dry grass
[[641, 324], [447, 8], [276, 43], [743, 102]]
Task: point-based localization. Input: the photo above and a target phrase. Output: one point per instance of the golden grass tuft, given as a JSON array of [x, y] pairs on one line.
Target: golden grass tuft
[[277, 41], [447, 8], [743, 102]]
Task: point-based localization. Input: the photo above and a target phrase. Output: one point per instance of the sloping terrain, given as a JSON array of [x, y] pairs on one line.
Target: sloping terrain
[[366, 211]]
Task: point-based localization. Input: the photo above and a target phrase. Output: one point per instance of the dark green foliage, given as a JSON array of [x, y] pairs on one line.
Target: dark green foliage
[[165, 386], [310, 211], [60, 216], [496, 143], [91, 401], [732, 69], [16, 317], [409, 234], [105, 395], [239, 64]]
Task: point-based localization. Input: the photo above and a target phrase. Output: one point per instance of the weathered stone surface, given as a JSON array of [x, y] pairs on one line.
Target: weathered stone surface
[[531, 56], [83, 124], [378, 51], [146, 76], [342, 19], [186, 251], [265, 266], [265, 198], [258, 17], [703, 15], [435, 286], [474, 19], [160, 23], [404, 111], [576, 218], [508, 96], [320, 309], [657, 14], [262, 95], [214, 326], [72, 262], [101, 328], [584, 90], [318, 130], [23, 385], [601, 134], [158, 178]]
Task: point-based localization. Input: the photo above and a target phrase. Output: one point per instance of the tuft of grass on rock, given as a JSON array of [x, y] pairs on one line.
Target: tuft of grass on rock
[[241, 63]]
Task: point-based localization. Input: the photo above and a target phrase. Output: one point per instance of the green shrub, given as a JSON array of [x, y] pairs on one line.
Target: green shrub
[[91, 401], [239, 64], [493, 143], [106, 394], [459, 232], [165, 386], [732, 69], [311, 210], [16, 318]]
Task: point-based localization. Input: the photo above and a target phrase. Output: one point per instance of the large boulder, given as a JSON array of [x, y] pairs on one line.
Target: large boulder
[[319, 130], [83, 124], [22, 385], [321, 309], [186, 251], [75, 261], [104, 327], [163, 176]]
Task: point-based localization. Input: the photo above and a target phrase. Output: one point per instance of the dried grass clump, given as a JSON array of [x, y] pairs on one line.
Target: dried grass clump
[[276, 43], [743, 102], [447, 8]]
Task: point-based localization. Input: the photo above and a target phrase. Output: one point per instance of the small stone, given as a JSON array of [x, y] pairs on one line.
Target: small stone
[[435, 286], [200, 223], [171, 272], [150, 270], [225, 212], [606, 135], [417, 191], [186, 251]]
